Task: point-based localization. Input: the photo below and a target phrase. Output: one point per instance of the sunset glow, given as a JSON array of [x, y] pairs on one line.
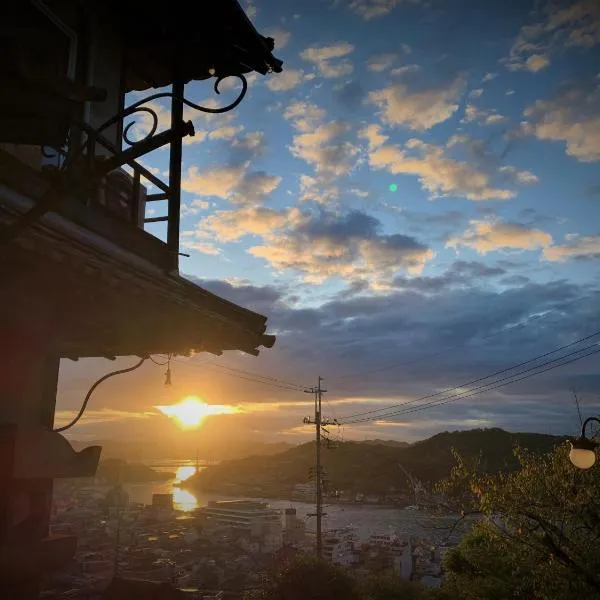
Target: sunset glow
[[191, 411]]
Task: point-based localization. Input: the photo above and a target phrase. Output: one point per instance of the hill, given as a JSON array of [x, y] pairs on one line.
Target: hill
[[371, 468], [114, 470], [378, 442], [142, 450]]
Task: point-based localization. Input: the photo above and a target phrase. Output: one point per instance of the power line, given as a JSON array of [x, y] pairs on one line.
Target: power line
[[483, 388], [264, 381], [266, 377], [448, 348], [493, 387], [469, 383], [245, 372], [488, 388], [319, 424]]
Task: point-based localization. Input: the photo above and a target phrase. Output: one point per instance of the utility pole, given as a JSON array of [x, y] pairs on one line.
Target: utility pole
[[319, 423]]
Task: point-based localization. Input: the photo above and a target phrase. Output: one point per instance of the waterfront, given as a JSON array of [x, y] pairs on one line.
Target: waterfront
[[365, 519]]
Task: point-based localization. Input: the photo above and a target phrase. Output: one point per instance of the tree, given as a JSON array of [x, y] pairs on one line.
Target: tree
[[390, 586], [307, 578], [538, 533]]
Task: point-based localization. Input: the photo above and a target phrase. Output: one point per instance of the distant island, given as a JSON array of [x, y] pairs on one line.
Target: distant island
[[184, 447], [114, 470], [375, 467]]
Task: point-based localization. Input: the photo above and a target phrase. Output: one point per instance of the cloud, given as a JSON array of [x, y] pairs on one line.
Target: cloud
[[537, 62], [251, 10], [425, 340], [319, 54], [578, 247], [225, 133], [372, 133], [231, 182], [322, 57], [556, 30], [232, 225], [219, 181], [405, 70], [103, 415], [199, 246], [489, 77], [417, 109], [371, 9], [280, 35], [325, 146], [326, 245], [288, 80], [486, 236], [254, 187], [488, 116], [439, 174], [304, 115], [318, 189], [573, 117], [381, 62], [519, 176], [194, 207], [252, 142], [337, 69]]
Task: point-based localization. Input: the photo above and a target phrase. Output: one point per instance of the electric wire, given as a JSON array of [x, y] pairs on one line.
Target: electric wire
[[91, 391], [268, 382], [469, 393], [469, 383], [484, 387]]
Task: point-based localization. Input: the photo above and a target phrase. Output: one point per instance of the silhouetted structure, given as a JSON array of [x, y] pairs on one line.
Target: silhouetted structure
[[80, 275]]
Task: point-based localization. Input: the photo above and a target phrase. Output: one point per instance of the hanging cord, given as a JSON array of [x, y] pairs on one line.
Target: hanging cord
[[156, 362], [91, 391], [168, 371]]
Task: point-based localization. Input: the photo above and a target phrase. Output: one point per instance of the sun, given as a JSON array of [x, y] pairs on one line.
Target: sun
[[190, 412]]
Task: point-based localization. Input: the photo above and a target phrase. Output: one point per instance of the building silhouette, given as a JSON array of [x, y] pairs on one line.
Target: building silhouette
[[81, 275]]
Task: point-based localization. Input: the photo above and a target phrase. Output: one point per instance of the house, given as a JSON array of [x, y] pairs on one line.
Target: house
[[81, 275]]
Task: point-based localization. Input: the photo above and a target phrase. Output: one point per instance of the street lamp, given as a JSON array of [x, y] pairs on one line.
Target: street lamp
[[583, 450]]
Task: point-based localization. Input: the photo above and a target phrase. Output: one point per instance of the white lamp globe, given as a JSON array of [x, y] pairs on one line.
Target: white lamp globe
[[582, 458]]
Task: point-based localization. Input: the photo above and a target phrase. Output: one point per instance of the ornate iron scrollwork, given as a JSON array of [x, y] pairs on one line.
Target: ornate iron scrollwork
[[138, 107], [66, 155]]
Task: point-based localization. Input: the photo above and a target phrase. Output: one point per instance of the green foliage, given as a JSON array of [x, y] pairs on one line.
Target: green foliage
[[307, 578], [373, 468], [538, 537], [391, 587]]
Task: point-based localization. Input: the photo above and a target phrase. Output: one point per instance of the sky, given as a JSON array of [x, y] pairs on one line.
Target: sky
[[413, 202]]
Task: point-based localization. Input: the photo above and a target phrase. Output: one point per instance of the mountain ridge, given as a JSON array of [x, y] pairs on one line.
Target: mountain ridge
[[372, 468]]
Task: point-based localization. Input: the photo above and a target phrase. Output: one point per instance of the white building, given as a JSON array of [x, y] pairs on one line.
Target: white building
[[256, 520], [339, 547], [294, 529]]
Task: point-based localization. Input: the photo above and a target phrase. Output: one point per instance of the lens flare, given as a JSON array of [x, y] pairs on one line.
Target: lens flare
[[191, 411]]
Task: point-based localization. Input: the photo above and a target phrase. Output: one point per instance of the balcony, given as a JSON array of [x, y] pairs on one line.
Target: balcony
[[65, 149]]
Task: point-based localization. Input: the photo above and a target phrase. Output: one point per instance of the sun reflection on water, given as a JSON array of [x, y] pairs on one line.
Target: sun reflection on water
[[184, 472], [184, 500]]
